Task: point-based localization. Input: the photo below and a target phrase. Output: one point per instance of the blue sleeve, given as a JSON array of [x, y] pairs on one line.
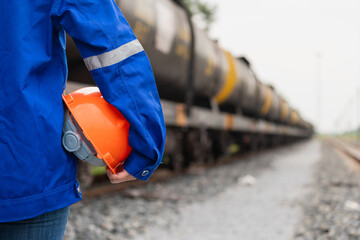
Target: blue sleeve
[[100, 31]]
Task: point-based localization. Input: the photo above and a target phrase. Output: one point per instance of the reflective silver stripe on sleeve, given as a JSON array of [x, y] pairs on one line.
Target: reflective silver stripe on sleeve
[[114, 56]]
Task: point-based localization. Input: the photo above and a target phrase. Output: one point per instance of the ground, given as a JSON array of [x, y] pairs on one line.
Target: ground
[[301, 191]]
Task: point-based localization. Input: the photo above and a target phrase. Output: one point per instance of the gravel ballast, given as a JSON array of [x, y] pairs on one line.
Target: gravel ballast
[[327, 205], [120, 217], [332, 208]]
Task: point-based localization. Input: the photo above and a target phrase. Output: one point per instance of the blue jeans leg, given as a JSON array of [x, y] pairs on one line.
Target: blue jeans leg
[[48, 226]]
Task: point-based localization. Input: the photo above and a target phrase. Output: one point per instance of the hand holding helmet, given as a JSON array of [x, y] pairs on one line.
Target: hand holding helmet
[[96, 132]]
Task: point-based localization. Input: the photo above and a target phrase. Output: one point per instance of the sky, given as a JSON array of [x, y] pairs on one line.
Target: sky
[[309, 50]]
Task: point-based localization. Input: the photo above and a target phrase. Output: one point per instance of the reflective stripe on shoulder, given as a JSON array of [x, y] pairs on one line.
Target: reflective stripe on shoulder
[[114, 56]]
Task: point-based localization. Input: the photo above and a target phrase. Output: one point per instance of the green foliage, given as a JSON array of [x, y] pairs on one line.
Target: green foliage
[[350, 135], [96, 171], [200, 9]]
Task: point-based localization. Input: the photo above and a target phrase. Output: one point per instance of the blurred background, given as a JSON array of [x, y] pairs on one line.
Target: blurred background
[[309, 50]]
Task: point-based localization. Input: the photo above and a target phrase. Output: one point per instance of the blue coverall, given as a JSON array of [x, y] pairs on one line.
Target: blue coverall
[[36, 174]]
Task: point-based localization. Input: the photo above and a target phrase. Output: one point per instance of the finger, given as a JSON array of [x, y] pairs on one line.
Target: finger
[[122, 176]]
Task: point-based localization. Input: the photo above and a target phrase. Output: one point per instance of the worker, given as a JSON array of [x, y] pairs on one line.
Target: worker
[[37, 176]]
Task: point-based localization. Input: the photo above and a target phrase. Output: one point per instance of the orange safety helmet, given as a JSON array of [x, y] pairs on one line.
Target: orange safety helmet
[[94, 130]]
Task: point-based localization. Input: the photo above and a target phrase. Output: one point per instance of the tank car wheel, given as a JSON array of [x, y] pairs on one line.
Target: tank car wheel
[[177, 162], [84, 175], [174, 149], [255, 143], [207, 143], [264, 141], [222, 141], [198, 147], [194, 148]]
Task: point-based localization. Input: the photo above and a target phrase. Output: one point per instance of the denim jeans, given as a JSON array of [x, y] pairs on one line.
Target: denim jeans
[[48, 226]]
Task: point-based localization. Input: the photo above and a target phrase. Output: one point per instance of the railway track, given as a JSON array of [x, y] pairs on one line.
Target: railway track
[[348, 148], [102, 186]]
